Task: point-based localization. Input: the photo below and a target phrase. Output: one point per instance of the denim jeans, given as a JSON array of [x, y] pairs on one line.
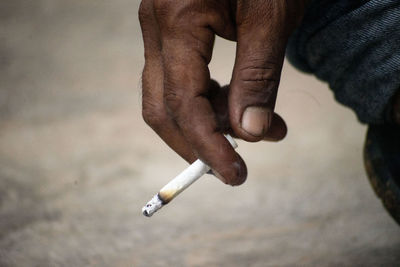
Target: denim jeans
[[353, 45]]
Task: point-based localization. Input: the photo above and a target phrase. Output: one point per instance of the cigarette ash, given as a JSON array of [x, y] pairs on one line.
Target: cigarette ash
[[179, 183], [152, 206]]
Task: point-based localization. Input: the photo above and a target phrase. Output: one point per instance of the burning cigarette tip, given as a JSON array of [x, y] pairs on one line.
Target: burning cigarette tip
[[178, 184]]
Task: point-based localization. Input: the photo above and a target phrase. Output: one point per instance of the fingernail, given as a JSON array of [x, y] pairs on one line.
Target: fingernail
[[256, 120]]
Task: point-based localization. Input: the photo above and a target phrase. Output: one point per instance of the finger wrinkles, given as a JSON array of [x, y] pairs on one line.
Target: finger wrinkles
[[145, 11], [173, 102], [180, 106], [258, 74], [221, 18], [153, 113], [258, 95], [150, 32], [253, 12], [187, 75], [192, 42], [181, 85], [175, 17], [153, 110], [258, 80], [190, 24], [173, 14], [272, 16]]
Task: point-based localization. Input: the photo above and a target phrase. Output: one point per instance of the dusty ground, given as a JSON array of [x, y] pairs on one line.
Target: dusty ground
[[77, 162]]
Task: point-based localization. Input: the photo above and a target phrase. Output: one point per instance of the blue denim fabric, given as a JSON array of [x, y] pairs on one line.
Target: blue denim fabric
[[354, 45]]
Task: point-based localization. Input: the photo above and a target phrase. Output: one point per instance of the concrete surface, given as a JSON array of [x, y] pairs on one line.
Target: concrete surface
[[77, 162]]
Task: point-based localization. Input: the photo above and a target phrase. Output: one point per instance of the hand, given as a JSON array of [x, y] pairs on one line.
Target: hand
[[187, 109]]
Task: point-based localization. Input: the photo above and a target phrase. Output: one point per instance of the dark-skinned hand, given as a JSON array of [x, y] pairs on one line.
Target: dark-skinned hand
[[187, 109]]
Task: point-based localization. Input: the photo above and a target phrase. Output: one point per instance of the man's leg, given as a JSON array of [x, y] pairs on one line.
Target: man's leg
[[382, 160], [355, 47]]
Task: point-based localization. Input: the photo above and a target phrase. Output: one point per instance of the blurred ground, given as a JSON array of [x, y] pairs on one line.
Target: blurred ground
[[77, 162]]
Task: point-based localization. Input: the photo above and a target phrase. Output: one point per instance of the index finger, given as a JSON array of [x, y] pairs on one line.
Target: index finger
[[186, 53]]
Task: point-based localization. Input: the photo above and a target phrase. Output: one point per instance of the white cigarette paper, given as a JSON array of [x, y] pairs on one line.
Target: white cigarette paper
[[179, 183]]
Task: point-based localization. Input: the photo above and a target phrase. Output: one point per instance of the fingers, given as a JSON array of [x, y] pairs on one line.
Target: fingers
[[181, 103], [186, 51], [154, 111], [263, 27]]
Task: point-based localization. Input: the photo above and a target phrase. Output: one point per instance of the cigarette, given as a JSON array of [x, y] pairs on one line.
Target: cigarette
[[179, 183]]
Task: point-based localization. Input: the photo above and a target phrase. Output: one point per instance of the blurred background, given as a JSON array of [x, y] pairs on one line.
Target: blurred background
[[77, 162]]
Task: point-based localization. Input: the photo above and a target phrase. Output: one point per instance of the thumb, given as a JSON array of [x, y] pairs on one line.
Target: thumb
[[262, 31]]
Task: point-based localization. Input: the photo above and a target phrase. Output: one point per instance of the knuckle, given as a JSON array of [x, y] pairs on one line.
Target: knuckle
[[153, 114], [259, 75], [161, 4], [162, 7], [144, 12], [173, 101], [173, 14], [259, 80]]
